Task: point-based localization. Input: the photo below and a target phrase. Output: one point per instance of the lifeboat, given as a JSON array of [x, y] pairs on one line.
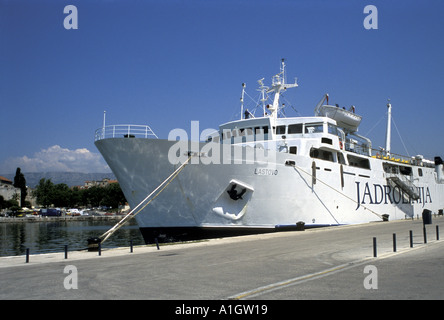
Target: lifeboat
[[346, 119]]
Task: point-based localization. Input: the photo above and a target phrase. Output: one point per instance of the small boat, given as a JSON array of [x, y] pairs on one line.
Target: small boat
[[346, 119]]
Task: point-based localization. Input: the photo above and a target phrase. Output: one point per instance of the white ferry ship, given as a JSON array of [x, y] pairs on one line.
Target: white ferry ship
[[268, 173]]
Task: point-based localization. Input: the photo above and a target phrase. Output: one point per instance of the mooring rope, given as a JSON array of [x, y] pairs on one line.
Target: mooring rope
[[341, 193], [131, 214]]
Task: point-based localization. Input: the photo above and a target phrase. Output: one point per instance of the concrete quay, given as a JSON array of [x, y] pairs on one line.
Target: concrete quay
[[329, 263]]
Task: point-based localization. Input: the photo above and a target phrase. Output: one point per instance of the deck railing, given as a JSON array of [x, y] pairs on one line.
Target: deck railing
[[124, 131]]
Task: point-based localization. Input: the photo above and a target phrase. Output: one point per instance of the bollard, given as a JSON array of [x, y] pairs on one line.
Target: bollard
[[424, 231], [93, 243], [437, 232], [411, 238], [27, 255], [426, 216], [66, 251], [131, 246], [100, 248], [394, 242], [374, 247], [157, 244], [300, 226]]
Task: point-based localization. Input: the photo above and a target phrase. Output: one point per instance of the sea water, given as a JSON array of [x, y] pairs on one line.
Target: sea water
[[52, 236]]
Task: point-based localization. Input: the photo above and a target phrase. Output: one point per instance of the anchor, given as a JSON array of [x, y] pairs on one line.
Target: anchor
[[234, 194]]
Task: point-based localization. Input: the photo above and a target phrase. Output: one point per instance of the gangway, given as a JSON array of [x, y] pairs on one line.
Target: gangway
[[405, 184]]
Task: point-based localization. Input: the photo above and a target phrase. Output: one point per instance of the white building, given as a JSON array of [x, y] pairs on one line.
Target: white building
[[8, 191]]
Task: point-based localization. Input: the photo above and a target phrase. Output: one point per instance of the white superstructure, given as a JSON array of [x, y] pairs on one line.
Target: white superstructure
[[269, 173]]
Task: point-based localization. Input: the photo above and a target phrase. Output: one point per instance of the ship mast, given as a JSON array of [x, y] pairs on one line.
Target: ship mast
[[104, 122], [388, 133], [278, 86], [262, 89], [242, 100]]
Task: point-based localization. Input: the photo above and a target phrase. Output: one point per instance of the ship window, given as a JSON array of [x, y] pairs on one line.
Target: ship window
[[405, 170], [358, 162], [295, 128], [226, 134], [280, 130], [390, 168], [332, 129], [321, 154], [420, 172], [261, 133], [314, 127], [294, 150], [326, 140], [247, 134]]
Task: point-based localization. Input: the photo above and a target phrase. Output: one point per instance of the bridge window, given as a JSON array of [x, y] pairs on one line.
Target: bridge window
[[332, 129], [280, 129], [314, 127], [261, 133], [226, 134], [295, 128]]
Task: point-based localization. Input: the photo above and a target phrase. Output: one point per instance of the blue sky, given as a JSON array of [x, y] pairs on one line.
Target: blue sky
[[166, 63]]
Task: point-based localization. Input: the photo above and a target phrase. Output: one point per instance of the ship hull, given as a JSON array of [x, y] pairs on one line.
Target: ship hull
[[244, 190]]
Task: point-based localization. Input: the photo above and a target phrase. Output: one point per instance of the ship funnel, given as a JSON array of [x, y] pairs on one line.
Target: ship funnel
[[438, 169]]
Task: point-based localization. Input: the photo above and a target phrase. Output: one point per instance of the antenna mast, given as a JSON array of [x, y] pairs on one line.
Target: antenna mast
[[279, 85], [242, 100], [104, 122], [388, 133], [262, 89]]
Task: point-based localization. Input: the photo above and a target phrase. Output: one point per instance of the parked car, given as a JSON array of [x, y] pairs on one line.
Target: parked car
[[50, 212]]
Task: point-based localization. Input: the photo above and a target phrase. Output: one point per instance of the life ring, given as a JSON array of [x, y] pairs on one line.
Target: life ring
[[341, 146]]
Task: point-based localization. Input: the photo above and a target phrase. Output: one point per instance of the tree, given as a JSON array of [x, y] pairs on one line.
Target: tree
[[43, 192], [94, 196], [61, 195], [20, 182], [11, 203], [76, 197], [113, 196]]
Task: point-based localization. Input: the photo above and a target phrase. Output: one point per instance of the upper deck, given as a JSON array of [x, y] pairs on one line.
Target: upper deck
[[332, 129]]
